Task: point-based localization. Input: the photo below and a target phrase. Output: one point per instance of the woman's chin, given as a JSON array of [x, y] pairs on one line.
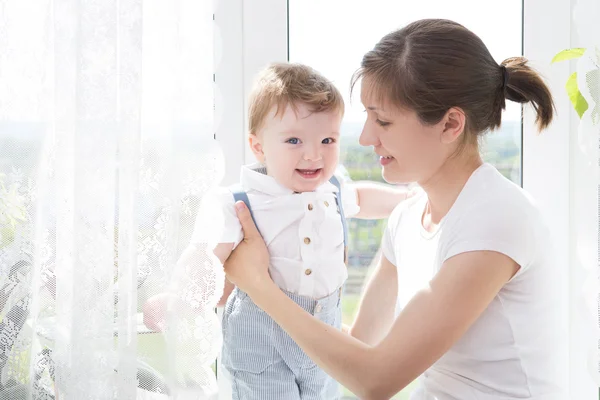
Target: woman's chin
[[389, 175], [394, 176]]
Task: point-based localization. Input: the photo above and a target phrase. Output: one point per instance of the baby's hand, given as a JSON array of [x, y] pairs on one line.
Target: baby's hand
[[346, 329], [155, 311], [412, 192]]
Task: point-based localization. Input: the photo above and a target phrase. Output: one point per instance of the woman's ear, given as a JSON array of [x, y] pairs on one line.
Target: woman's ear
[[257, 147], [453, 125]]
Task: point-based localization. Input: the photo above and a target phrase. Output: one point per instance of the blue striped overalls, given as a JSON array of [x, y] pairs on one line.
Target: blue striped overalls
[[263, 360]]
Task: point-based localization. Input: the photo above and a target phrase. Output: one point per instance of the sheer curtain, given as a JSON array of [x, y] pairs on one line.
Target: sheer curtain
[[106, 150], [586, 172]]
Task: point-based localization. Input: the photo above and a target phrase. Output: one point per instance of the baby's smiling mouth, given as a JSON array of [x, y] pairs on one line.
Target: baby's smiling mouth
[[309, 173]]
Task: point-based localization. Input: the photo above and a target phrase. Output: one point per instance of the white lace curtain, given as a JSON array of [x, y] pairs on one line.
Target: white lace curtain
[[106, 149]]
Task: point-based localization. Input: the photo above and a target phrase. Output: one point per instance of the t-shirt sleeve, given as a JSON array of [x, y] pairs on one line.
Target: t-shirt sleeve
[[216, 221], [349, 195], [504, 227]]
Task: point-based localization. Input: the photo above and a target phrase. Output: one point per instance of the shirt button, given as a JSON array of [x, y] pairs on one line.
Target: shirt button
[[326, 204], [318, 308], [306, 240], [310, 207], [308, 271]]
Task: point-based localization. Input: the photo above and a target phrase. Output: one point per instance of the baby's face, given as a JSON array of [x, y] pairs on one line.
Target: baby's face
[[300, 149]]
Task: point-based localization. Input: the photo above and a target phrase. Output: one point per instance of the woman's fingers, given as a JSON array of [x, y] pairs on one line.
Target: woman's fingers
[[248, 226]]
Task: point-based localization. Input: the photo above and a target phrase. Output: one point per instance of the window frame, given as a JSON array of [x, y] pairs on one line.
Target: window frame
[[247, 38], [252, 36]]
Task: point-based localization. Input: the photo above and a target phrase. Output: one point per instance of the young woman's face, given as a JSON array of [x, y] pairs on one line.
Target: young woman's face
[[409, 150]]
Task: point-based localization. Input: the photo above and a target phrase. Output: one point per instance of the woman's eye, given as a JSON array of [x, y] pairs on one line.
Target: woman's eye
[[382, 123], [293, 141]]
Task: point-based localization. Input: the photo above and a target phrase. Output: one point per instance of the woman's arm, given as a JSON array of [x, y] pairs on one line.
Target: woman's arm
[[376, 311], [429, 325]]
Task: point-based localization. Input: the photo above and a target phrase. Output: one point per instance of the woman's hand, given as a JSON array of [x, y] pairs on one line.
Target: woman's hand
[[248, 265]]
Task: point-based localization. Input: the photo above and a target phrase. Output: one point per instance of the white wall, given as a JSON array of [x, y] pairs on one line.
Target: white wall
[[555, 174]]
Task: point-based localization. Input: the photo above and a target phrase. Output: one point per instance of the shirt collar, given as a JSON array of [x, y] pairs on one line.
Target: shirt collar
[[254, 177]]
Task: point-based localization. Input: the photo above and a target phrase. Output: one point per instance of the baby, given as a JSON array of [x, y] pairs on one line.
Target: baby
[[300, 205]]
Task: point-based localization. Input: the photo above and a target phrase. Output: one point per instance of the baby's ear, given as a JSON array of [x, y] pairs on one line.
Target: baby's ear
[[256, 147]]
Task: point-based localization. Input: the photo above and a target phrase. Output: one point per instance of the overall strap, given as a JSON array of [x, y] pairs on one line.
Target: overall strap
[[240, 195], [338, 200]]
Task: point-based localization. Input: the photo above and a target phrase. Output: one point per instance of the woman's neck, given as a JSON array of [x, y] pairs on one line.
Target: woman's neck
[[445, 185]]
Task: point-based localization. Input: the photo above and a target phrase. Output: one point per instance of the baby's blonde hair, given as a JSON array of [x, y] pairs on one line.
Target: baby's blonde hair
[[283, 84]]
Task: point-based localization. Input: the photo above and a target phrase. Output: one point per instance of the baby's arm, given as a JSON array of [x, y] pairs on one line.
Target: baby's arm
[[222, 252], [377, 200], [219, 201], [190, 265]]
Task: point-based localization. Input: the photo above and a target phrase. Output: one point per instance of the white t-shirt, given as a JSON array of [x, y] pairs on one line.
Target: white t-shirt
[[514, 349], [303, 231]]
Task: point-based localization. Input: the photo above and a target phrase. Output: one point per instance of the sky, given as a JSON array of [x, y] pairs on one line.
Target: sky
[[332, 35]]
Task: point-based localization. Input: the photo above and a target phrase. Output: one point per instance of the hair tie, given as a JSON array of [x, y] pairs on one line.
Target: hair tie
[[504, 77]]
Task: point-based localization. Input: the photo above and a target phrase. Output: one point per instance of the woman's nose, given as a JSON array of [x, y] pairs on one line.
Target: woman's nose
[[368, 137]]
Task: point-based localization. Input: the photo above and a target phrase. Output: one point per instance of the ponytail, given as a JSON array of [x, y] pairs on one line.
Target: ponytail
[[524, 85]]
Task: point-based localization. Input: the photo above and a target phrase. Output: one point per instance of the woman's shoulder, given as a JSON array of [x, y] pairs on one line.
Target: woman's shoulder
[[492, 202], [493, 213], [490, 194]]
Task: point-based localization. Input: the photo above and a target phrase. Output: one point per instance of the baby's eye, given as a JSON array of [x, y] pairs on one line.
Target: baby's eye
[[328, 141], [293, 141]]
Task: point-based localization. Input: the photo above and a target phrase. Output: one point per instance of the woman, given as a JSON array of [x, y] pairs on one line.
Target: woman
[[481, 323]]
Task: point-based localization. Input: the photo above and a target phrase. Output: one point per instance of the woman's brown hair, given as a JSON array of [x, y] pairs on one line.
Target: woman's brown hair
[[432, 65]]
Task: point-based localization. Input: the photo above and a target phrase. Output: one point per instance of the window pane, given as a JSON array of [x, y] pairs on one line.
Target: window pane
[[333, 36]]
